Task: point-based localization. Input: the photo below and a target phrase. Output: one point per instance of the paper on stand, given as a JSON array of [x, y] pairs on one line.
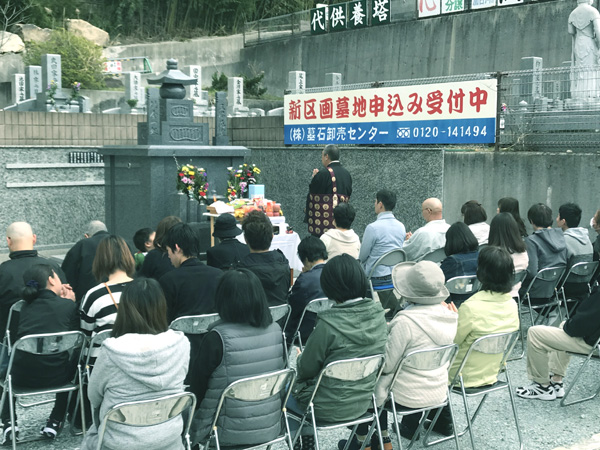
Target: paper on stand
[[221, 207]]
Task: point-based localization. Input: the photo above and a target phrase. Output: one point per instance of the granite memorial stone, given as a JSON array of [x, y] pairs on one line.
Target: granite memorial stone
[[18, 88], [297, 81], [235, 94], [221, 137], [334, 80], [33, 81], [51, 71]]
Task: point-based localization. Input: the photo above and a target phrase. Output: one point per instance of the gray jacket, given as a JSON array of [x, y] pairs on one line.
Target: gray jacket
[[545, 248], [579, 246], [138, 367], [247, 351]]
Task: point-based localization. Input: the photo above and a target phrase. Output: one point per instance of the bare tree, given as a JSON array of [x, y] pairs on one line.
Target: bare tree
[[11, 13]]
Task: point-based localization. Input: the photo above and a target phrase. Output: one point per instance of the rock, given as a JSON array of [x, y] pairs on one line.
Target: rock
[[10, 43], [88, 31], [31, 33]]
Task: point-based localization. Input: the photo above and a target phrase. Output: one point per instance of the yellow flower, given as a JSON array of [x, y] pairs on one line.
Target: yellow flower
[[256, 170], [237, 175], [192, 173]]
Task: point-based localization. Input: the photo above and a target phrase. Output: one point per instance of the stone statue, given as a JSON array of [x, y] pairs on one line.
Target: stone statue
[[584, 28]]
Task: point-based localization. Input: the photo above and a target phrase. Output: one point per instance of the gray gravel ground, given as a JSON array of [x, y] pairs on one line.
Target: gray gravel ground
[[544, 425]]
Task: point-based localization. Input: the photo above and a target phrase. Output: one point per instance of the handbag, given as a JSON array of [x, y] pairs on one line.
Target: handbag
[[320, 209]]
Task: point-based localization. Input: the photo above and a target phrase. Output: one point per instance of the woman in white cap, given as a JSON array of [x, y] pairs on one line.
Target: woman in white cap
[[426, 322]]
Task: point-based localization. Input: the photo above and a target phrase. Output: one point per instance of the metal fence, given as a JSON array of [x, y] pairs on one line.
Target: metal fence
[[282, 27], [538, 109]]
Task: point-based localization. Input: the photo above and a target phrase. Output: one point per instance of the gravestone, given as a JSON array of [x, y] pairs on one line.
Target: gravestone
[[235, 94], [51, 71], [195, 89], [18, 88], [532, 84], [297, 81], [133, 88], [334, 80], [33, 81], [221, 137]]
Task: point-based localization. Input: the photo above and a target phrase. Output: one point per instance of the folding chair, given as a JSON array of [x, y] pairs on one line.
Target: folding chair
[[463, 285], [551, 276], [280, 312], [146, 413], [194, 324], [519, 277], [314, 306], [355, 369], [390, 259], [254, 389], [44, 345], [593, 354], [580, 273], [500, 344], [15, 308], [422, 360], [436, 256]]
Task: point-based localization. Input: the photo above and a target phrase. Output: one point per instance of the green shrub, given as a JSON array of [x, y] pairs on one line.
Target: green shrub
[[82, 60], [252, 84]]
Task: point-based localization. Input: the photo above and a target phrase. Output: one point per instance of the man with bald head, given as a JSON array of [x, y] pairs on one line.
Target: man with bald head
[[20, 240], [78, 261], [430, 237]]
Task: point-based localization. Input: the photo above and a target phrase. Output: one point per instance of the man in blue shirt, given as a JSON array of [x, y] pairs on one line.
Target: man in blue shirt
[[380, 237]]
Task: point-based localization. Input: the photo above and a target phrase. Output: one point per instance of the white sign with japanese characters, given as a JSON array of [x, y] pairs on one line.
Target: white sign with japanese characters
[[429, 8], [448, 113]]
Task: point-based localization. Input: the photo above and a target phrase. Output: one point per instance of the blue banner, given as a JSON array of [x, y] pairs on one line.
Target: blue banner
[[452, 131]]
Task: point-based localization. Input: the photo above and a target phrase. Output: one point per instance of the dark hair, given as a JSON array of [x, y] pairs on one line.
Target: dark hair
[[343, 279], [540, 215], [344, 215], [473, 212], [36, 279], [142, 309], [571, 213], [388, 198], [460, 239], [495, 269], [183, 236], [141, 237], [311, 248], [504, 233], [332, 151], [241, 299], [161, 230], [511, 205], [258, 230], [112, 254]]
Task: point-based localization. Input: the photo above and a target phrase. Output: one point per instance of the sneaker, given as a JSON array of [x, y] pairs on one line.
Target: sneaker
[[407, 432], [559, 389], [51, 429], [8, 430], [355, 444], [536, 390], [387, 442], [308, 442]]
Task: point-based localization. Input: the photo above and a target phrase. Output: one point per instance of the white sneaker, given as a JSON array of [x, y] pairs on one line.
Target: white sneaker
[[536, 390], [559, 388]]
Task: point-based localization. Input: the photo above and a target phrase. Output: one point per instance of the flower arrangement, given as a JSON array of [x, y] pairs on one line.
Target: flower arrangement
[[200, 185], [186, 176], [75, 88], [240, 178], [51, 92]]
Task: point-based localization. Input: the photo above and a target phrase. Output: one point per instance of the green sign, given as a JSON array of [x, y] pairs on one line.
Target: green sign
[[318, 20], [357, 14], [337, 17], [380, 12]]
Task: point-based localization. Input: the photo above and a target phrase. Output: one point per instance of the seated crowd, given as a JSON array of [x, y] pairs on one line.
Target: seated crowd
[[102, 285]]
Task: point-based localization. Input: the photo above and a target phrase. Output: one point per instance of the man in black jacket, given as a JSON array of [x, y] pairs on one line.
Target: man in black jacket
[[229, 251], [78, 261], [333, 178], [189, 289], [20, 240], [547, 347]]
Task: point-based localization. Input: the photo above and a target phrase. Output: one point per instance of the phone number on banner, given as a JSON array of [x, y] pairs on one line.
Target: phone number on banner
[[458, 131]]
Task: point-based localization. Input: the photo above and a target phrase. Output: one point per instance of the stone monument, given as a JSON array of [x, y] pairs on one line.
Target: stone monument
[[584, 28], [140, 181]]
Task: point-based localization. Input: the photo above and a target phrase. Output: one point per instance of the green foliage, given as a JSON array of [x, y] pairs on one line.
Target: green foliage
[[82, 60], [252, 84]]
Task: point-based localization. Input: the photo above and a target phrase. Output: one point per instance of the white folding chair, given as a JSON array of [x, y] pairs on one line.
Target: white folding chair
[[280, 312], [436, 256], [146, 413], [314, 306], [580, 273], [548, 277], [500, 344], [194, 324], [347, 370], [594, 354], [421, 360], [255, 389], [519, 277], [390, 259], [15, 308], [69, 342]]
